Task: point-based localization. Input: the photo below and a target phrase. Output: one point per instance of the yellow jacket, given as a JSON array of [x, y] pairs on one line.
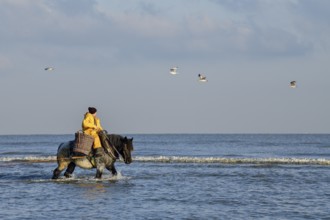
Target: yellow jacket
[[91, 123]]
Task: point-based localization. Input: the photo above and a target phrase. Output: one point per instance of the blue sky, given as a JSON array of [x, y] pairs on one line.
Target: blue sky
[[116, 55]]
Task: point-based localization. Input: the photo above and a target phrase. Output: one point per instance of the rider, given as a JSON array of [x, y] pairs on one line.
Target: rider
[[91, 125]]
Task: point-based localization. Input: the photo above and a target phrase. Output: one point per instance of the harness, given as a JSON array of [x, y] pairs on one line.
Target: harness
[[108, 147], [112, 149]]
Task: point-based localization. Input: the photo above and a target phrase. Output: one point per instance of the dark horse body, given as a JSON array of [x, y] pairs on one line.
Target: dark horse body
[[120, 146]]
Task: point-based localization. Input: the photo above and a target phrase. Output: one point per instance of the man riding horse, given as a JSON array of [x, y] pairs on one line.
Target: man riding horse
[[91, 125], [106, 149]]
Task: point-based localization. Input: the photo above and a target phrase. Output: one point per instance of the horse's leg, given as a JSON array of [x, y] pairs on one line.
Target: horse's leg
[[56, 173], [99, 162], [61, 166], [112, 169], [69, 170], [99, 167]]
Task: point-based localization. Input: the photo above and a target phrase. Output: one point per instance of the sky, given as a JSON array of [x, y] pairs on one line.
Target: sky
[[116, 55]]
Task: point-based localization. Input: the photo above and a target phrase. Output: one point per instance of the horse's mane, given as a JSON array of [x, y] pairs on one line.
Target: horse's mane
[[116, 139]]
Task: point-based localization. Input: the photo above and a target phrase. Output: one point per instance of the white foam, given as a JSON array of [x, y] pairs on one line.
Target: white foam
[[175, 159], [29, 159], [91, 179], [185, 159], [119, 176]]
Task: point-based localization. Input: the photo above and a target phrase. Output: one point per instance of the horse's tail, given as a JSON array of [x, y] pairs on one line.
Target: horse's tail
[[59, 146], [63, 150]]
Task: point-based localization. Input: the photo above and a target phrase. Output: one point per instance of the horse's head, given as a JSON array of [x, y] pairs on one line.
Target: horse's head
[[127, 149]]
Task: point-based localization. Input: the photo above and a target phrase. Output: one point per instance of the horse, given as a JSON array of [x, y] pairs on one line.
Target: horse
[[119, 146]]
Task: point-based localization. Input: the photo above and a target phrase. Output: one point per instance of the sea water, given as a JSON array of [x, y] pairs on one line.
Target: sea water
[[173, 176]]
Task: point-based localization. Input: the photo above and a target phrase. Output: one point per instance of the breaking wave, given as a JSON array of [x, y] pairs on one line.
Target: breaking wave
[[186, 159], [224, 160], [32, 159]]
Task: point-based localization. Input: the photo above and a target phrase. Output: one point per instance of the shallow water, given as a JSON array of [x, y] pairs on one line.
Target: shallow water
[[173, 177]]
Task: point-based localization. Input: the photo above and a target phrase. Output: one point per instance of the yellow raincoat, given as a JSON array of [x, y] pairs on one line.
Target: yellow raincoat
[[91, 125]]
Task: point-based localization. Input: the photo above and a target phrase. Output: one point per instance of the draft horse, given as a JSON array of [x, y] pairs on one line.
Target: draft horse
[[119, 146]]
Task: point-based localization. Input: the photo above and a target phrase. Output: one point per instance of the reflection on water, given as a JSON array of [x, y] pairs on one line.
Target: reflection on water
[[92, 191]]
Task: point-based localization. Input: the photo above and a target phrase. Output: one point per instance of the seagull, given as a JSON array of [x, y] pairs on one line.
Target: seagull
[[49, 68], [173, 70], [202, 78], [293, 84]]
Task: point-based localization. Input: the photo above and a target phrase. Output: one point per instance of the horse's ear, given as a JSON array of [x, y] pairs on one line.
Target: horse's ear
[[125, 139]]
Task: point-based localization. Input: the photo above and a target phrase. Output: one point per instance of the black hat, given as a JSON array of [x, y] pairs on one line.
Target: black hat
[[92, 110]]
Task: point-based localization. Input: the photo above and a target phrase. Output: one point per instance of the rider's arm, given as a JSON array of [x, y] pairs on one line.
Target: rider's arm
[[88, 123]]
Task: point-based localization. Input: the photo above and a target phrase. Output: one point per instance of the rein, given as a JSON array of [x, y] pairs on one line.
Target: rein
[[110, 152], [113, 146]]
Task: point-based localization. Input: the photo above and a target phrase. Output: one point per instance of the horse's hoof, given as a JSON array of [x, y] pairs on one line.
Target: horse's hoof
[[67, 175], [98, 176]]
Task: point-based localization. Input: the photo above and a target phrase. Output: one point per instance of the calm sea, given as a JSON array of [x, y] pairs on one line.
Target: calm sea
[[173, 176]]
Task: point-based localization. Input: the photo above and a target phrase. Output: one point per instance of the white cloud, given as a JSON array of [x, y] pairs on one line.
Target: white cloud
[[200, 29], [145, 25], [116, 45]]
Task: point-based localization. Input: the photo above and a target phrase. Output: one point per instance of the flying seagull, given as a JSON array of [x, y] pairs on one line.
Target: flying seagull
[[49, 68], [202, 78], [293, 84], [173, 70]]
